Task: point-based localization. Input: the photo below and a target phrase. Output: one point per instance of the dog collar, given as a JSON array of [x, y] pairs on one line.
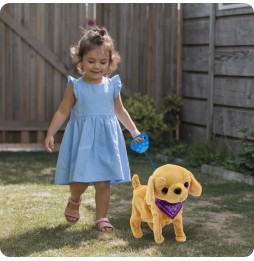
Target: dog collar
[[170, 209]]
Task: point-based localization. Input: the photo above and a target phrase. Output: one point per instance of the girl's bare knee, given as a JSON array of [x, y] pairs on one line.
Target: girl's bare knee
[[102, 185], [78, 187]]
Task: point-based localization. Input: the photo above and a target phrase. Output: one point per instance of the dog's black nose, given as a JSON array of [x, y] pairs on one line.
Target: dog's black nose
[[177, 191]]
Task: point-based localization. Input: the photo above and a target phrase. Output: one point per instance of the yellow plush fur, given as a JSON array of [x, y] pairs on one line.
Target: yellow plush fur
[[165, 184]]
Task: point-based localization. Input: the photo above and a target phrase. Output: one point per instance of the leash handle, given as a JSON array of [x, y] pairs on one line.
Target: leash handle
[[142, 147]]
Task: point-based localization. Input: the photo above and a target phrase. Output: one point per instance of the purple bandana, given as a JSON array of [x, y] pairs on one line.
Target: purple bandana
[[170, 209]]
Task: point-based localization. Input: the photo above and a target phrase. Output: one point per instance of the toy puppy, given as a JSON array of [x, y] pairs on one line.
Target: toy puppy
[[160, 202]]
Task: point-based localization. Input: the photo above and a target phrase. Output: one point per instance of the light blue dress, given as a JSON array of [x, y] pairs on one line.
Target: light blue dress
[[93, 147]]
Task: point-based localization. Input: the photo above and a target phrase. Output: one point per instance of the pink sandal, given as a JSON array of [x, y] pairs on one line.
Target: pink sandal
[[103, 223], [69, 212]]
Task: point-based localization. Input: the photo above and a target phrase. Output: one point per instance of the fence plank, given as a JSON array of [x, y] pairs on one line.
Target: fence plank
[[37, 45], [234, 61], [194, 111], [235, 31], [195, 10], [237, 92], [25, 96], [142, 49], [195, 58], [192, 133], [234, 12], [8, 70], [82, 16], [40, 64], [196, 31], [170, 16], [195, 85], [25, 138], [228, 122], [122, 44], [17, 64], [25, 126], [135, 43], [150, 50], [158, 54], [210, 95], [2, 71]]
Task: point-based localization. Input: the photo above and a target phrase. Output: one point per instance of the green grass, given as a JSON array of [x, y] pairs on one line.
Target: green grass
[[219, 223]]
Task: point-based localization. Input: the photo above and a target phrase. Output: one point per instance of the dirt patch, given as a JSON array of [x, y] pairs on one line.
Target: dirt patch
[[248, 197], [214, 218], [222, 224]]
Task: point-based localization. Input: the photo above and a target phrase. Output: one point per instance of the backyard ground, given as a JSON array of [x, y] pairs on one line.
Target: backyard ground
[[218, 224]]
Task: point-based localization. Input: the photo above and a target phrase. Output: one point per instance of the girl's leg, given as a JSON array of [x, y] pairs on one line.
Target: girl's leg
[[102, 198], [76, 190]]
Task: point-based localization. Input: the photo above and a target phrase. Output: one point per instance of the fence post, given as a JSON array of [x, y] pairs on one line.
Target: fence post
[[99, 14], [211, 50]]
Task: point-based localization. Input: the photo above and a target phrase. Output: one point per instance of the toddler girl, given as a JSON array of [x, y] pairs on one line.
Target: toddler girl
[[93, 150]]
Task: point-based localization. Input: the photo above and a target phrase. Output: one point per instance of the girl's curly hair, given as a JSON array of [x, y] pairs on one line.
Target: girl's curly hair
[[92, 38]]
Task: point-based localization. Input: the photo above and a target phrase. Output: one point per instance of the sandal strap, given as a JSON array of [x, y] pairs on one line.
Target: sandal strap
[[75, 203], [102, 223], [102, 220], [72, 213]]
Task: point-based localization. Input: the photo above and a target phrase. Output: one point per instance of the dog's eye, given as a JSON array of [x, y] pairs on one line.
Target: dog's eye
[[164, 190], [186, 184]]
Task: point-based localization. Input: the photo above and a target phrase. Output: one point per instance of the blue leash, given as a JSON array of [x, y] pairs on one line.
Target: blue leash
[[153, 166], [142, 147]]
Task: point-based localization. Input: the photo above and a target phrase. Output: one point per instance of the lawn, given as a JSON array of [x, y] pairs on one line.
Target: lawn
[[219, 223]]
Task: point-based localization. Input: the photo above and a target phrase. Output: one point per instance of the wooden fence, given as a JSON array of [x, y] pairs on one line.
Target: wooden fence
[[34, 51], [217, 75], [146, 37], [217, 72]]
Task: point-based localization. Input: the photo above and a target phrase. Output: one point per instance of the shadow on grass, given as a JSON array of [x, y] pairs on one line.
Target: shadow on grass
[[44, 239], [27, 167]]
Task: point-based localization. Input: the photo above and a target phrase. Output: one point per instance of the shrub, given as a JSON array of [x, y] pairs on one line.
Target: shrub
[[158, 126], [143, 112], [245, 159], [171, 106], [206, 153]]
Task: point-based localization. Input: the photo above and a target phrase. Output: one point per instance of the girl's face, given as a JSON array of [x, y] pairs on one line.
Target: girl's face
[[95, 64]]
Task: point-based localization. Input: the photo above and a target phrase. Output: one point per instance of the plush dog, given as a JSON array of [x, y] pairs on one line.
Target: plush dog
[[160, 202]]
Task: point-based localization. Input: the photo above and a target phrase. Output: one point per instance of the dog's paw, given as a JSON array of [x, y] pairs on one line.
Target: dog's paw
[[181, 238], [138, 235], [159, 240]]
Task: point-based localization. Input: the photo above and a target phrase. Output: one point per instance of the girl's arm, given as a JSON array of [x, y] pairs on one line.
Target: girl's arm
[[59, 118], [124, 117]]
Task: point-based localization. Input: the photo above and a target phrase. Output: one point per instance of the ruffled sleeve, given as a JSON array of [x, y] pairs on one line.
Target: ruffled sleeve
[[117, 84], [72, 80]]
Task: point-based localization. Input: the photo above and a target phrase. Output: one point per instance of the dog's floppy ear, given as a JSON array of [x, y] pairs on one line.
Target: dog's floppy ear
[[195, 187], [150, 191]]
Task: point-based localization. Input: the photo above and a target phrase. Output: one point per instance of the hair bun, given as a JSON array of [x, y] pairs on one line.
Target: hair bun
[[102, 32], [97, 39]]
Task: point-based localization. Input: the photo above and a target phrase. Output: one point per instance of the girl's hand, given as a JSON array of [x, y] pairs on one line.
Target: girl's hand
[[137, 140], [49, 144]]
